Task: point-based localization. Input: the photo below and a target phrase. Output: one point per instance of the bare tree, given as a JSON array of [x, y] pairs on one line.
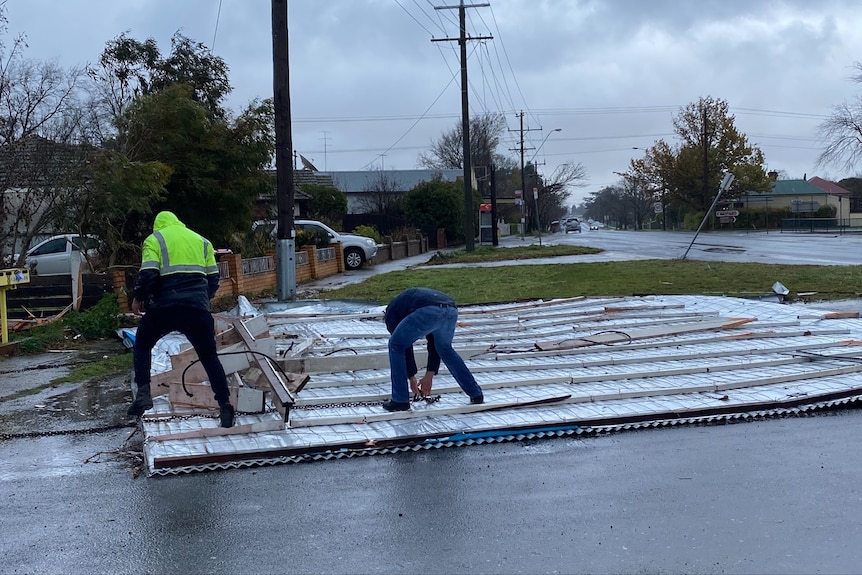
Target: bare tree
[[40, 136], [448, 151], [382, 195], [842, 131], [553, 192]]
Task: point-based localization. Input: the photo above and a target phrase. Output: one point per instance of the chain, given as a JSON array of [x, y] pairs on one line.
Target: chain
[[429, 399], [91, 430]]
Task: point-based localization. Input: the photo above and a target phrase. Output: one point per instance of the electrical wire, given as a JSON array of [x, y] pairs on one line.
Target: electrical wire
[[215, 32]]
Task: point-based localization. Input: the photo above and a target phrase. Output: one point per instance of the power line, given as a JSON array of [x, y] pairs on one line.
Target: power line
[[419, 119], [215, 32], [414, 18]]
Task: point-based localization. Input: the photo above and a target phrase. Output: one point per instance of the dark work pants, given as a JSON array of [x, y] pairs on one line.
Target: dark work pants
[[195, 324]]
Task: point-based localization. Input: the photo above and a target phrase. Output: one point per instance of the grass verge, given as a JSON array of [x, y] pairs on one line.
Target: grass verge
[[496, 254], [672, 277]]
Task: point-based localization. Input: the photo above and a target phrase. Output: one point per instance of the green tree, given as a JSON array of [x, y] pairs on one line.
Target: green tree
[[437, 204], [113, 199], [327, 202], [129, 69], [218, 165]]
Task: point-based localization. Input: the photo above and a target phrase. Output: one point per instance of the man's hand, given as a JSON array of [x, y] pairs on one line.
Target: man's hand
[[414, 385], [136, 307], [425, 384]]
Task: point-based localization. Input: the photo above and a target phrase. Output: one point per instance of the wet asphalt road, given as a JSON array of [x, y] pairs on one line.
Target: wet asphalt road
[[774, 496]]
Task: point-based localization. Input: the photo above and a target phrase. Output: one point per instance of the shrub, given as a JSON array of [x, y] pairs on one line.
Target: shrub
[[368, 232], [101, 320]]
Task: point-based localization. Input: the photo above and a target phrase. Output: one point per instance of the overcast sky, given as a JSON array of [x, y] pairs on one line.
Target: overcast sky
[[369, 89]]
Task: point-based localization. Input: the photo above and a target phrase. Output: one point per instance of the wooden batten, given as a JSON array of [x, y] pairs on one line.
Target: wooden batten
[[197, 395], [256, 427]]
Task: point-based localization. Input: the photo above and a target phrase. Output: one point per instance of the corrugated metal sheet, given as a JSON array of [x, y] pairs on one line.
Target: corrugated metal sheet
[[787, 357]]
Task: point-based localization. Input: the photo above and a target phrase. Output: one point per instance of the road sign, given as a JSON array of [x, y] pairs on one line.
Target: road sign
[[658, 207], [726, 213], [726, 219]]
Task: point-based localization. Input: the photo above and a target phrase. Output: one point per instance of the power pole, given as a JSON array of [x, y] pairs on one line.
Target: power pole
[[285, 255], [325, 141], [523, 179], [465, 116]]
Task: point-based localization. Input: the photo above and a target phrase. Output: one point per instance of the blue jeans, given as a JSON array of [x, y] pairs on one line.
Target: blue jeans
[[197, 326], [433, 319]]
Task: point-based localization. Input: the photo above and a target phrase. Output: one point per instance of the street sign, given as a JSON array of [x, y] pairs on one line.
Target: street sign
[[726, 213], [727, 219], [657, 207]]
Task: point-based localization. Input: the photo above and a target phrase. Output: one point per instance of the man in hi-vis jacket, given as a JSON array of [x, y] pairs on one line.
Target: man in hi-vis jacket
[[177, 279]]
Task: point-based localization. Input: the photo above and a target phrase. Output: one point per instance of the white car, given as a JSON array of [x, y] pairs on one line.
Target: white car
[[53, 257], [357, 249]]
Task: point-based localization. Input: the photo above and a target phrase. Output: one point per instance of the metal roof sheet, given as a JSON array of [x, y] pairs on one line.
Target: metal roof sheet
[[786, 356]]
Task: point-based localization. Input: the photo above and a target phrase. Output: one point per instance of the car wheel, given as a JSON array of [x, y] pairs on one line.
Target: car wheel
[[352, 258]]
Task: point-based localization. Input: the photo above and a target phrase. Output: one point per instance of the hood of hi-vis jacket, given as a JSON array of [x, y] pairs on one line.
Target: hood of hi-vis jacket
[[173, 248]]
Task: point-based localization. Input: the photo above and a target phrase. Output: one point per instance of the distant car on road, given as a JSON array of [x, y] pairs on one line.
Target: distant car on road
[[572, 225], [54, 256]]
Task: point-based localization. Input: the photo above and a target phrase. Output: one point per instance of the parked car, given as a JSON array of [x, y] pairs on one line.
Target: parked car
[[357, 249], [572, 225], [54, 256]]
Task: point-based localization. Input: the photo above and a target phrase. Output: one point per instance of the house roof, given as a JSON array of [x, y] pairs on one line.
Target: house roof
[[405, 180], [830, 187], [792, 188], [35, 161]]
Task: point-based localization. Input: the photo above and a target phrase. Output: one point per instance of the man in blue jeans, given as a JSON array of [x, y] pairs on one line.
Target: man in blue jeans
[[412, 314]]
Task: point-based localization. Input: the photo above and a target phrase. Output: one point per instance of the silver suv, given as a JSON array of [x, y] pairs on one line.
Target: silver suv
[[357, 249]]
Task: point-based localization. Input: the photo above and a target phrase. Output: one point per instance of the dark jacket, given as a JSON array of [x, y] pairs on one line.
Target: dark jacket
[[406, 303], [178, 267]]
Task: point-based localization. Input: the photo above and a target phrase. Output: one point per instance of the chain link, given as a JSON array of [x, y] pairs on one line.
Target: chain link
[[91, 430], [429, 399]]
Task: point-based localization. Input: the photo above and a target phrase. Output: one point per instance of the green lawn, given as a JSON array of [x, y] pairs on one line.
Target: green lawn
[[525, 281]]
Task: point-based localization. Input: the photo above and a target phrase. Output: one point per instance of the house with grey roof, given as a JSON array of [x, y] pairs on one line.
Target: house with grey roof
[[804, 198], [367, 190]]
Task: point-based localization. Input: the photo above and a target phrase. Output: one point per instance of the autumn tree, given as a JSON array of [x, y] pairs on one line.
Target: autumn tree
[[708, 145]]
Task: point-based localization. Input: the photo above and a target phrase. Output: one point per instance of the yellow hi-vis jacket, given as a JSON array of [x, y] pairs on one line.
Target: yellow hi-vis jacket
[[178, 267]]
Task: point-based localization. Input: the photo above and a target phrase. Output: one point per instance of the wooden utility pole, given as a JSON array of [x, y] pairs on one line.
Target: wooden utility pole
[[521, 148], [285, 249], [465, 116]]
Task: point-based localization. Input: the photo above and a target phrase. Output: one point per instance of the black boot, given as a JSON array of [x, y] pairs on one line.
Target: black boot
[[226, 414], [396, 405], [143, 401]]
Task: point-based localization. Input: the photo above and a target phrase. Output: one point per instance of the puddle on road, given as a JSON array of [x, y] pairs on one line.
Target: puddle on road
[[84, 406]]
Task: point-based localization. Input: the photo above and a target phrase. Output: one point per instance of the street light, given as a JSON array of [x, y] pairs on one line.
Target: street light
[[524, 191], [543, 142]]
